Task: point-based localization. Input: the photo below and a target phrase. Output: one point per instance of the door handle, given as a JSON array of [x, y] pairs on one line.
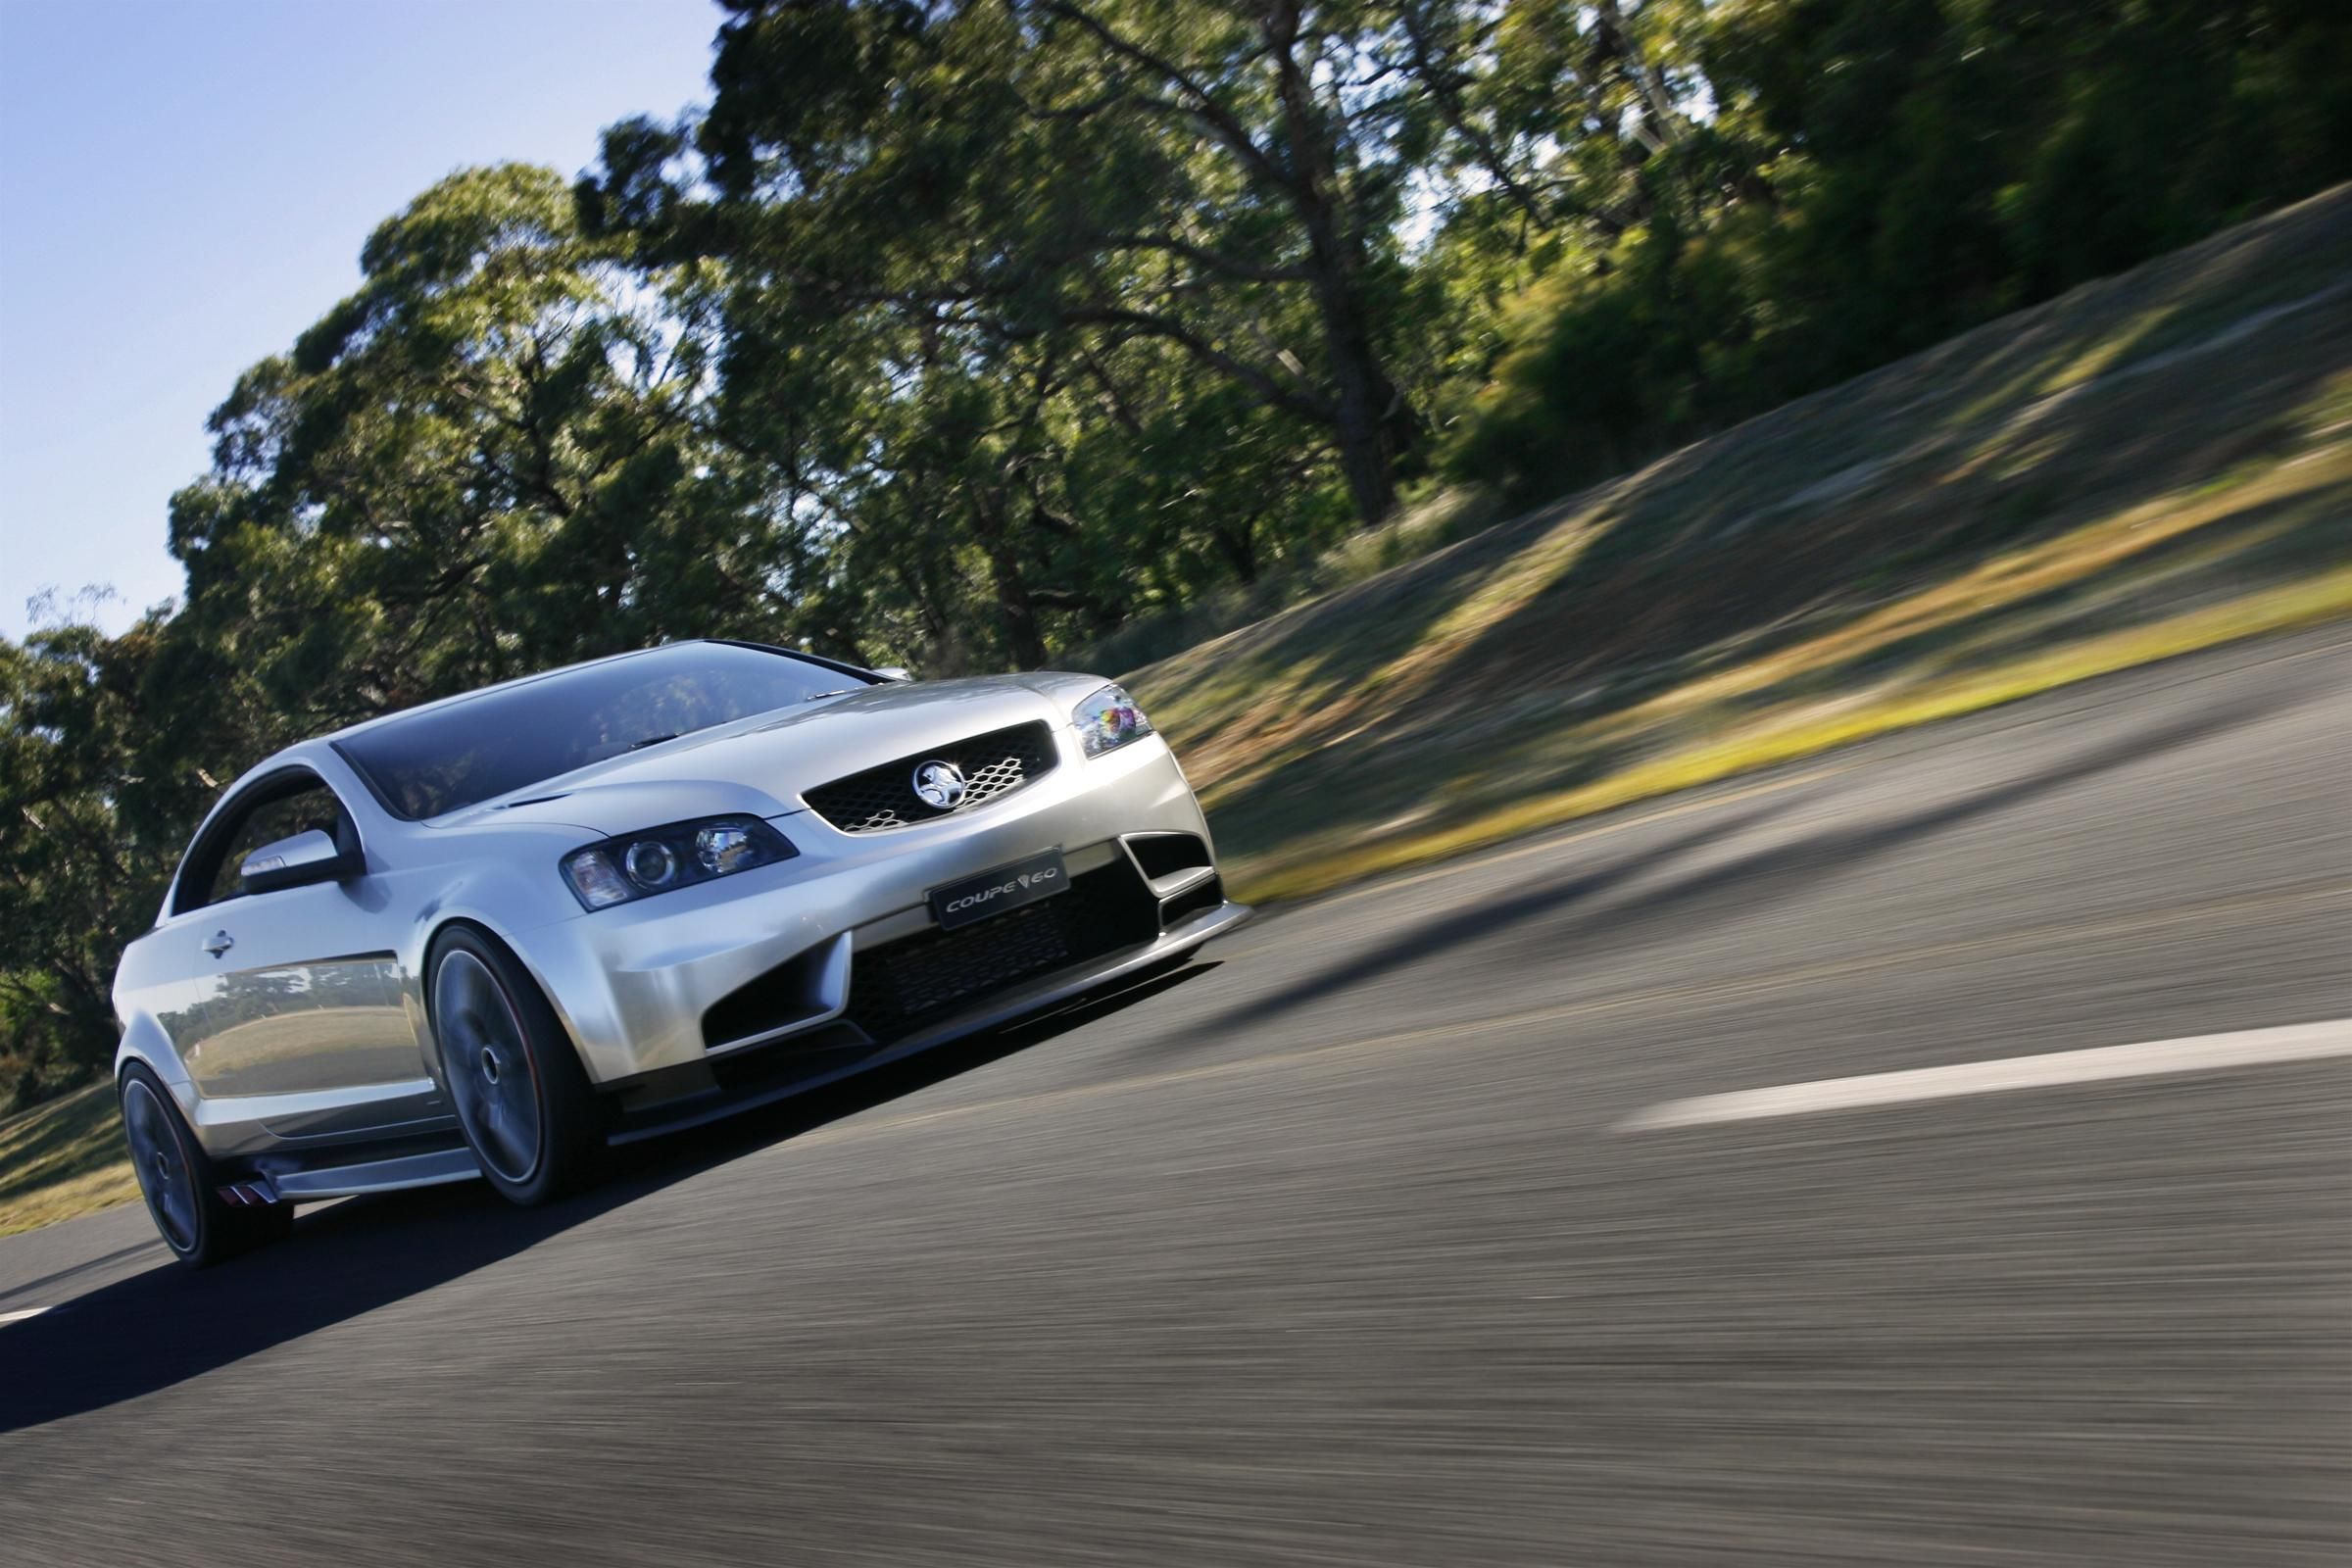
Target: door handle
[[220, 943]]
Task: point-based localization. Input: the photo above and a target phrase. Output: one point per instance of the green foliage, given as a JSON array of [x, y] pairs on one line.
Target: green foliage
[[87, 837], [1878, 175], [1119, 289], [493, 456]]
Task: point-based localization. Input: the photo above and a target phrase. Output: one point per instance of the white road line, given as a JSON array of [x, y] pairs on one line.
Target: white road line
[[19, 1317], [2245, 1048]]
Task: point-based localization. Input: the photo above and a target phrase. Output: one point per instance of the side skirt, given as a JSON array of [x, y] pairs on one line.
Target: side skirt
[[427, 1168]]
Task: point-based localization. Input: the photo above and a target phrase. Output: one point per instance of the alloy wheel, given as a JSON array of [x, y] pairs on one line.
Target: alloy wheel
[[162, 1163], [488, 1066]]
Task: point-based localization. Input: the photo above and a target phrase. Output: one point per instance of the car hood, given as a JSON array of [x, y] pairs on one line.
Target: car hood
[[761, 765]]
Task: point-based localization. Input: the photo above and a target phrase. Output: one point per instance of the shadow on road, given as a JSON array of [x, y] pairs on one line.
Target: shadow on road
[[1556, 916], [169, 1324], [1481, 920]]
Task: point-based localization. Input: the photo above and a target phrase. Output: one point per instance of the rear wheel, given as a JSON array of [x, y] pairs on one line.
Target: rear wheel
[[511, 1072], [180, 1184]]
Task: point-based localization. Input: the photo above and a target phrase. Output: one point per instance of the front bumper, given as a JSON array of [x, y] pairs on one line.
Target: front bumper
[[655, 994], [671, 1099]]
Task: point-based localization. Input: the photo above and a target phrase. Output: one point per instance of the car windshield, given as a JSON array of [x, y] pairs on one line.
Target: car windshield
[[446, 759]]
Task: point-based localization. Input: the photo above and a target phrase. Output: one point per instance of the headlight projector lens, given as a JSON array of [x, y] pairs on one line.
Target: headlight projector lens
[[723, 847], [650, 864]]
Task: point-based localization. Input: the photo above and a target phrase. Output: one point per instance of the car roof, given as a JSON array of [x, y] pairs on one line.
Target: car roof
[[455, 697], [309, 750]]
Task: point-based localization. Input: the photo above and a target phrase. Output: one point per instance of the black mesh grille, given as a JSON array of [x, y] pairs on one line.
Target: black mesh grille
[[993, 766], [896, 988]]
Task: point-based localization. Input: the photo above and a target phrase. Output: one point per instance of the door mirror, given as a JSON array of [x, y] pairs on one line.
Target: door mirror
[[295, 862], [895, 673]]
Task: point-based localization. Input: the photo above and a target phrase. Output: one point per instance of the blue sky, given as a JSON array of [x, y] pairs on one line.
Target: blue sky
[[184, 187]]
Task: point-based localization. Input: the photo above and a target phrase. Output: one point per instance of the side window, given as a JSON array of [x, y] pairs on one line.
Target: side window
[[306, 804]]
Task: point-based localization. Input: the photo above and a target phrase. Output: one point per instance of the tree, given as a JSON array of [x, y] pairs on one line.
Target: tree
[[1226, 180], [1854, 179], [491, 458], [88, 838]]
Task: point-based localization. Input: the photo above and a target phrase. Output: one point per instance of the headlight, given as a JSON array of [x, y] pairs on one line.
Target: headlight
[[1108, 720], [678, 855]]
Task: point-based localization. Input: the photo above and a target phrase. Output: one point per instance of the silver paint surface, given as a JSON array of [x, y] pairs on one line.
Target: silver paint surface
[[310, 1028]]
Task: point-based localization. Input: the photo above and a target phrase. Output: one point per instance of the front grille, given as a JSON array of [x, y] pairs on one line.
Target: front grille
[[896, 988], [993, 766]]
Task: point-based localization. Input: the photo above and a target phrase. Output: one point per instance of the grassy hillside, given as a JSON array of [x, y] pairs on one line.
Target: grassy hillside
[[61, 1159], [2153, 463]]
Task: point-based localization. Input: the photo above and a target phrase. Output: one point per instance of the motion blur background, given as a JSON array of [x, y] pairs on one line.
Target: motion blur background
[[1452, 420]]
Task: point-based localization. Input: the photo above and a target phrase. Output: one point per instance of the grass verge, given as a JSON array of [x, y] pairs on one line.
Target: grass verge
[[2036, 502], [1770, 744], [62, 1159]]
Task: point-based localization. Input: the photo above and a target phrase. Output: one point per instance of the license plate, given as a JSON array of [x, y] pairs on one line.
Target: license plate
[[1007, 886]]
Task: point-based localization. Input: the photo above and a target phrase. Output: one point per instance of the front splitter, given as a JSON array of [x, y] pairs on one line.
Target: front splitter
[[1005, 1006]]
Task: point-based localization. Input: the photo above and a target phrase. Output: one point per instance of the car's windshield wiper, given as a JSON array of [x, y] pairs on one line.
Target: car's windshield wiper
[[653, 740]]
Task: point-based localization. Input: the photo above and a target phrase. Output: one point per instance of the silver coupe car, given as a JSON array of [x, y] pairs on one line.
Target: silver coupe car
[[496, 934]]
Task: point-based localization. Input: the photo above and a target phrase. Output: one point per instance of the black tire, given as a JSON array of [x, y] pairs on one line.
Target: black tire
[[182, 1184], [509, 1071]]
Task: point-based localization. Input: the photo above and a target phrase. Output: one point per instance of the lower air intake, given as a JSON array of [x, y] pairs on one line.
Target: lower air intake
[[900, 986]]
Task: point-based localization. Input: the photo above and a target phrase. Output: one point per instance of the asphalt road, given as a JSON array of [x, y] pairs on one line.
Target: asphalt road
[[1367, 1244]]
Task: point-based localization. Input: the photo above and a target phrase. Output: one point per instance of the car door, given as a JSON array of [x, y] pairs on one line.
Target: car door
[[297, 1006]]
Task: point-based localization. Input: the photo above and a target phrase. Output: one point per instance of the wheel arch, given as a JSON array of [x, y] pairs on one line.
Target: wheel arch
[[427, 1036], [145, 1041]]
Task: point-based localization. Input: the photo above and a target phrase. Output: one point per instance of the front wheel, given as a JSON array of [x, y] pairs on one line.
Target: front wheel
[[181, 1187], [510, 1073]]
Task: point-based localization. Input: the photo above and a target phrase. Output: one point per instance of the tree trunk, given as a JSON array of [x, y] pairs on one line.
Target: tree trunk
[[1367, 426], [1014, 604], [1237, 542], [1373, 425]]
